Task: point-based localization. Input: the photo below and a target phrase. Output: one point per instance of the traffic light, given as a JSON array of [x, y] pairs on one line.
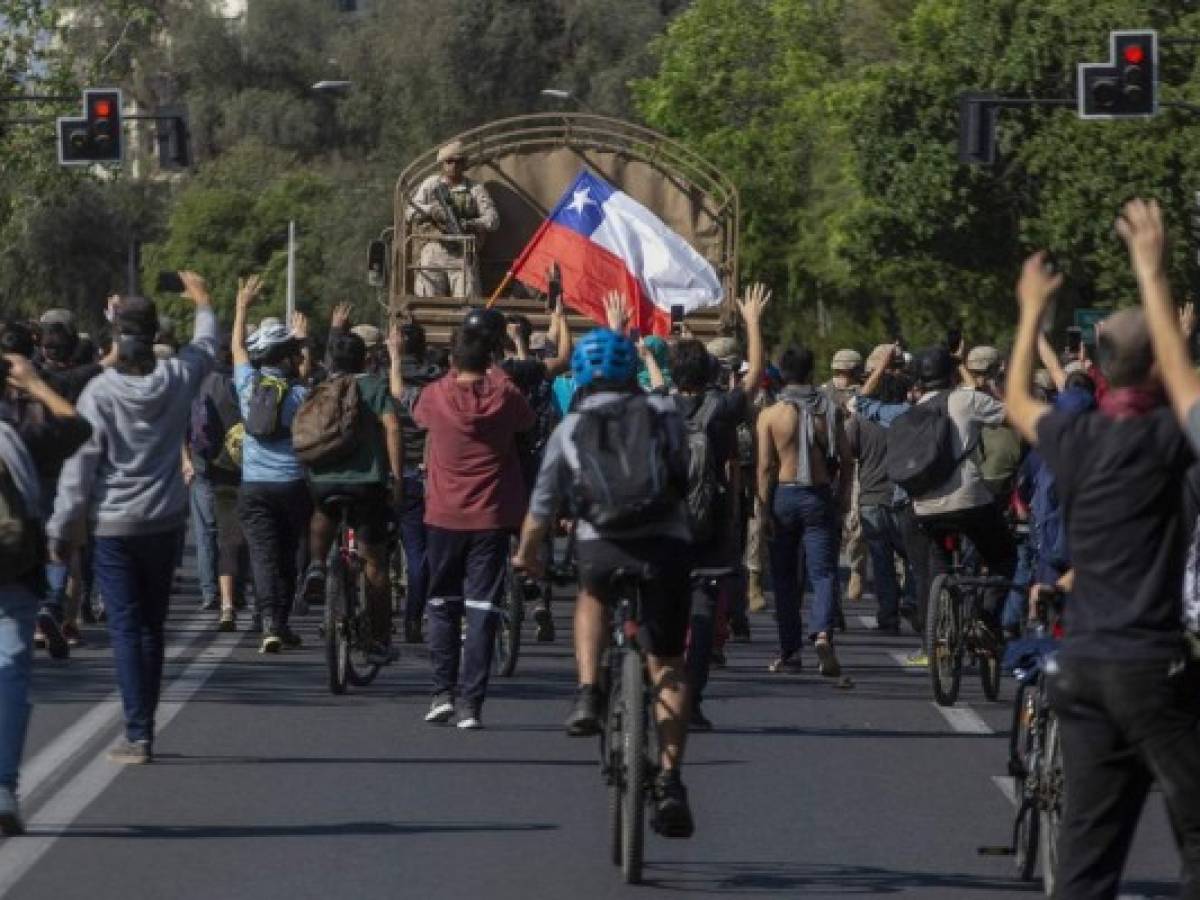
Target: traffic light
[[977, 129], [171, 133], [95, 138], [1127, 85]]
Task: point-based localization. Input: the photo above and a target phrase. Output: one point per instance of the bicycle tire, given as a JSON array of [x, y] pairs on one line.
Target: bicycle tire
[[357, 621], [943, 638], [614, 819], [1050, 774], [989, 674], [337, 650], [508, 630], [633, 753], [1027, 839]]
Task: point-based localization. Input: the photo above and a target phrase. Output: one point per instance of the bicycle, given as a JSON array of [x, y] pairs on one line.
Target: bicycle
[[953, 630], [628, 740], [346, 626], [1035, 752], [512, 616]]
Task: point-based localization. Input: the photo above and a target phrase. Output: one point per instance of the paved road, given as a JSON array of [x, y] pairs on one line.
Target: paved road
[[266, 786]]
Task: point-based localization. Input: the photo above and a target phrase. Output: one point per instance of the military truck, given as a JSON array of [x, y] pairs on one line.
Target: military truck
[[526, 163]]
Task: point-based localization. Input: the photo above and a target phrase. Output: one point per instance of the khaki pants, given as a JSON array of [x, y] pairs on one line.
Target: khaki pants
[[442, 283], [754, 541]]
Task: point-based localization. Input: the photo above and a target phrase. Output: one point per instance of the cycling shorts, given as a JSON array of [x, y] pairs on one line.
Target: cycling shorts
[[370, 514], [666, 596]]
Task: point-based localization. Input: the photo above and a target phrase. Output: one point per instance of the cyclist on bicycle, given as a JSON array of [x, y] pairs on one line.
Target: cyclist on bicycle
[[605, 367], [363, 475]]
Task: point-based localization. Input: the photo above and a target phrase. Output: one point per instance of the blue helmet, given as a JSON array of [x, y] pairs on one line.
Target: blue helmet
[[604, 355]]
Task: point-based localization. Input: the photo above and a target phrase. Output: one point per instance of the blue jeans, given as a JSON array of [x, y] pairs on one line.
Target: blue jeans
[[881, 529], [134, 574], [204, 531], [1016, 604], [414, 539], [806, 536], [18, 609]]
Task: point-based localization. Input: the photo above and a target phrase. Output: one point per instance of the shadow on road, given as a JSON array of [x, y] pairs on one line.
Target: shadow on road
[[221, 832]]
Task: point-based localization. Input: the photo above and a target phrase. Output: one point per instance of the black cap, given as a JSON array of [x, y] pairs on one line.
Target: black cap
[[485, 321], [934, 367], [138, 317]]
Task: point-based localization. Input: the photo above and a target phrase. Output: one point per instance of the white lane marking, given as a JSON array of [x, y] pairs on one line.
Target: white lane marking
[[19, 855], [963, 719], [71, 742], [866, 621], [1005, 783], [901, 659]]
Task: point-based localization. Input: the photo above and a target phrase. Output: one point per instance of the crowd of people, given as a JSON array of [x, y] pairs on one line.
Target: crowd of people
[[717, 475]]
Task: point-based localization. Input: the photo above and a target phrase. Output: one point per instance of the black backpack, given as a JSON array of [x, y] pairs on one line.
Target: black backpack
[[920, 447], [264, 410], [624, 475], [706, 488]]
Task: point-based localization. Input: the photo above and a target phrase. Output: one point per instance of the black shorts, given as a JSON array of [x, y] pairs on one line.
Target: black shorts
[[370, 514], [666, 598]]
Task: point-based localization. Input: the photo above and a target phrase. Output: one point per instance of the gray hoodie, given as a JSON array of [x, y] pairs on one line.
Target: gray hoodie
[[127, 476]]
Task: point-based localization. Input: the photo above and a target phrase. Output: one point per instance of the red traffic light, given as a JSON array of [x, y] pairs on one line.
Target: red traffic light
[[102, 108], [1135, 54]]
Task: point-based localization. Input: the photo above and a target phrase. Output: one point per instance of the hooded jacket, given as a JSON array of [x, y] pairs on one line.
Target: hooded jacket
[[127, 476], [474, 470]]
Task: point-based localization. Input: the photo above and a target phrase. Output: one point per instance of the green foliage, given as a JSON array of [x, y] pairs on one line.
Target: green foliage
[[839, 122]]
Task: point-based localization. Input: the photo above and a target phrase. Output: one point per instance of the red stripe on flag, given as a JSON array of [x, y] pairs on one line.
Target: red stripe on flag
[[589, 271]]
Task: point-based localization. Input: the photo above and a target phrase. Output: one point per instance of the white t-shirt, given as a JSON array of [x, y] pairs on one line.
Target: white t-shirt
[[970, 410]]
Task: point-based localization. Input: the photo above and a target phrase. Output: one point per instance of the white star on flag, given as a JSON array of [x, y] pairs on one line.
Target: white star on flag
[[580, 200]]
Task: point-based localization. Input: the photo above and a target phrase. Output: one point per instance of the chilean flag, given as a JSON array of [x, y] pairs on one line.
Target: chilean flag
[[604, 240]]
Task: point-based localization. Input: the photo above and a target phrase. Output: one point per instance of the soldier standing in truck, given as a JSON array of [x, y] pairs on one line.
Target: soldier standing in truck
[[449, 205]]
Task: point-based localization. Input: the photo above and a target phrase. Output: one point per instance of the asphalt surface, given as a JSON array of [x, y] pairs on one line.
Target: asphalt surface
[[267, 786]]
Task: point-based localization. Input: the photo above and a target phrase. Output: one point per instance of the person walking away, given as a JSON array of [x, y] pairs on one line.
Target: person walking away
[[842, 387], [877, 507], [370, 471], [1126, 692], [22, 570], [805, 475], [214, 478], [711, 418], [409, 373], [128, 478], [273, 505], [476, 501], [621, 460]]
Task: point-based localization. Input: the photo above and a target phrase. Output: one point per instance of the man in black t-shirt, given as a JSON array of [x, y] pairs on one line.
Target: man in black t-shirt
[[1126, 692], [696, 374]]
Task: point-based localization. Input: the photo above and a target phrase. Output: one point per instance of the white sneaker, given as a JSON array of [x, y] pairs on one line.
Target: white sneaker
[[440, 711], [470, 723]]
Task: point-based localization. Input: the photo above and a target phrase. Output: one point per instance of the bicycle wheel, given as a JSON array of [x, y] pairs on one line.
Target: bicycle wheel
[[508, 631], [1053, 790], [361, 671], [943, 637], [633, 753], [989, 674], [337, 646], [1026, 839]]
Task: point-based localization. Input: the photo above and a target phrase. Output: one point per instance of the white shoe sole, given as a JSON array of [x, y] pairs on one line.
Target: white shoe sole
[[440, 714], [469, 724]]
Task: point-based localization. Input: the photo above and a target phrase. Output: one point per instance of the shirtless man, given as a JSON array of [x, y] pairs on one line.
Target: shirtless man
[[805, 475]]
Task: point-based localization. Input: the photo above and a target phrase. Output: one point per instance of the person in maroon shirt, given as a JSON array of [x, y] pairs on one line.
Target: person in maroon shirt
[[476, 500]]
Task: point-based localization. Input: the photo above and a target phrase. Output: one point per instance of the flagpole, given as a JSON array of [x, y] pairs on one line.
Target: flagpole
[[508, 277], [291, 272]]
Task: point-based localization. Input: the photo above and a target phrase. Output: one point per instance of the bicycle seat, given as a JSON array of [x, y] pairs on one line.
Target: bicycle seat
[[631, 576], [336, 504]]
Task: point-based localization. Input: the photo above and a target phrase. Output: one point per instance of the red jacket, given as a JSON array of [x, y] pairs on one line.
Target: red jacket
[[474, 471]]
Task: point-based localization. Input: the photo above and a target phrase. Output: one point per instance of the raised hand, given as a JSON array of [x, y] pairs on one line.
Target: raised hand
[[195, 288], [754, 301], [248, 291], [299, 325], [1140, 226], [616, 311], [395, 342], [340, 320], [1037, 285]]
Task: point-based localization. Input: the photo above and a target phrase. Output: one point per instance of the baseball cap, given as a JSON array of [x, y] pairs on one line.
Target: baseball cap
[[846, 361], [137, 316], [724, 348], [982, 360], [58, 316], [370, 335]]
